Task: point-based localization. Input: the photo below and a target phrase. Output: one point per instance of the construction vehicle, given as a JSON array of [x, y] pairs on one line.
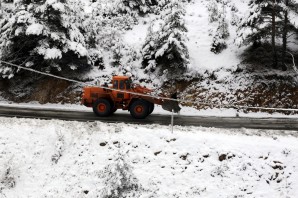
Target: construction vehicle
[[123, 94]]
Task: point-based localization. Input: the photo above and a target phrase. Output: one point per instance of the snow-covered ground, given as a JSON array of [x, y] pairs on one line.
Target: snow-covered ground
[[73, 159]]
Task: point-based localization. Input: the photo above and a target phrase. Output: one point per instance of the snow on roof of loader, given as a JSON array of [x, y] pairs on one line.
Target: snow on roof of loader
[[120, 77]]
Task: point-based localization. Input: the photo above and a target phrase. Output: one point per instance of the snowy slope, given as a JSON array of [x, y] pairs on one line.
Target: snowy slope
[[200, 34], [72, 159]]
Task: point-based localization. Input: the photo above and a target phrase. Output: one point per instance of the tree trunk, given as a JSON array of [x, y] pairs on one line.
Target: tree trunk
[[274, 54], [1, 10], [284, 38]]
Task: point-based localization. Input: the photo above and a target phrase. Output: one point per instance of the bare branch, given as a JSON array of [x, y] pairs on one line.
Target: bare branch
[[290, 35], [294, 65]]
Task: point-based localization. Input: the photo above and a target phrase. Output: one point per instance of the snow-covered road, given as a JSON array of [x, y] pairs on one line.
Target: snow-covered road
[[40, 158], [124, 117]]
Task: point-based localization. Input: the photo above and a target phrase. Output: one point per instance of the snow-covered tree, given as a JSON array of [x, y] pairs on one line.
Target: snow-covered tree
[[263, 21], [212, 11], [149, 50], [222, 31], [46, 35], [266, 21], [104, 29], [119, 179], [218, 44], [234, 16], [6, 25], [290, 25], [165, 51], [255, 25], [141, 6]]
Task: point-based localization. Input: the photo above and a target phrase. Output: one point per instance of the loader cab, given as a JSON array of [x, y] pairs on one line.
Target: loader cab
[[121, 83]]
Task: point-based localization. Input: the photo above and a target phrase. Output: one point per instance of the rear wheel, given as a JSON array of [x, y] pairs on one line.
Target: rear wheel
[[139, 109], [102, 107]]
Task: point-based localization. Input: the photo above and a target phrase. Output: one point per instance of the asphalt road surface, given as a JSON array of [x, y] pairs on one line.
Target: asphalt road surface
[[217, 122]]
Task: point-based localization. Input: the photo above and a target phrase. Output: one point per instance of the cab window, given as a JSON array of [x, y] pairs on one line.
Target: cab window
[[122, 84], [128, 84], [115, 84]]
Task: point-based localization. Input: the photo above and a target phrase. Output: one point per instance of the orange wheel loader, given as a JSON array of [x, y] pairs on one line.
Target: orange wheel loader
[[123, 94]]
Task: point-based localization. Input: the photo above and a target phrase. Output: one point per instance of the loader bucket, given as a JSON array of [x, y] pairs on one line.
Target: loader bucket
[[169, 105]]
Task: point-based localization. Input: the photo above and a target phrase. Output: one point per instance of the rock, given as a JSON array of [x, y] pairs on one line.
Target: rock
[[86, 192], [206, 156], [184, 157], [222, 157]]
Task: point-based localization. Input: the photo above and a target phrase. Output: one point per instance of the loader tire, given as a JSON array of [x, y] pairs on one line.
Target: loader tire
[[102, 107], [151, 107], [114, 109], [139, 109]]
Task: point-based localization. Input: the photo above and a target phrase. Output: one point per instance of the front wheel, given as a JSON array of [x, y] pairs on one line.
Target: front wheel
[[139, 109], [102, 107], [151, 107]]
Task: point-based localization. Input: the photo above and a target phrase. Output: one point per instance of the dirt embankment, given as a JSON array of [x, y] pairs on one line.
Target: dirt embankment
[[255, 90], [42, 90]]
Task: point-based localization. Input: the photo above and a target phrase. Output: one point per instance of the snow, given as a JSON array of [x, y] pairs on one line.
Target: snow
[[35, 29], [58, 6], [137, 35], [74, 159], [78, 48], [52, 53]]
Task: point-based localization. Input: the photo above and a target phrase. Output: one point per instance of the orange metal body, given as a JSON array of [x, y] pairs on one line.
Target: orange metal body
[[120, 100]]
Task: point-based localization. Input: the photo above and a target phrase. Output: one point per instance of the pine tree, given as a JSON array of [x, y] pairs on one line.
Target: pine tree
[[165, 51], [142, 6], [213, 11], [46, 35], [269, 19], [149, 50], [6, 28], [262, 22], [222, 32], [290, 25], [104, 29], [234, 16], [119, 179]]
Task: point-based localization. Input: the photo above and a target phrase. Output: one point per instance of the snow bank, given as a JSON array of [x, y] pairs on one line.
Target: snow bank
[[72, 159]]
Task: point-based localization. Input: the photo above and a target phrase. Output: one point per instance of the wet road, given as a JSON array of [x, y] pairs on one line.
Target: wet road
[[217, 122]]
